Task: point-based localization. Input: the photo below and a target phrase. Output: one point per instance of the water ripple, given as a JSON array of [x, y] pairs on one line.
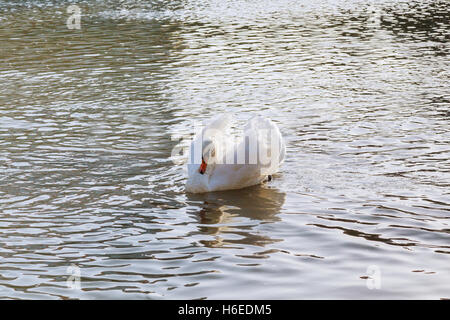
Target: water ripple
[[89, 119]]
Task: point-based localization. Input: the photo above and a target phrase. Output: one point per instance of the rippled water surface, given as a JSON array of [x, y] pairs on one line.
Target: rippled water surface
[[89, 119]]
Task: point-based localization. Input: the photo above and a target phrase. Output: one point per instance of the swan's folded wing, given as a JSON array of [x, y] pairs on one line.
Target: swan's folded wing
[[269, 140], [220, 123]]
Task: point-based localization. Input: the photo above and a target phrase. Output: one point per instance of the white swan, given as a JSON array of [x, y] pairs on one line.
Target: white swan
[[218, 161]]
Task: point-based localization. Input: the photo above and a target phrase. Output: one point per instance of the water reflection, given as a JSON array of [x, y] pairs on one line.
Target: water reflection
[[418, 20], [233, 212]]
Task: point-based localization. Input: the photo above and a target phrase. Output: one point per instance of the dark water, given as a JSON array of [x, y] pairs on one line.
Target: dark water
[[89, 118]]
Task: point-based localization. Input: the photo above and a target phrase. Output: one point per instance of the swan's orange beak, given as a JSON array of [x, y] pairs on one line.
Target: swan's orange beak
[[202, 167]]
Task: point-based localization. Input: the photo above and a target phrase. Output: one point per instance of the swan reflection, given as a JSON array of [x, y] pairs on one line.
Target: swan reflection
[[231, 216]]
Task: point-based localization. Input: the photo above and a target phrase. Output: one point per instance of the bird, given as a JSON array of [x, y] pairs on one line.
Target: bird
[[219, 161]]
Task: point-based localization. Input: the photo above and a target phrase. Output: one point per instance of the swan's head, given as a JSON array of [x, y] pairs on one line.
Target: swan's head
[[208, 155]]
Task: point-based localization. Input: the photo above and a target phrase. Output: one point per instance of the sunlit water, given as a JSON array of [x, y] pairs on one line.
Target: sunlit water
[[89, 119]]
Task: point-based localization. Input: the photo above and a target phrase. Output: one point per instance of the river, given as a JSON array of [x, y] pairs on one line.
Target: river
[[92, 200]]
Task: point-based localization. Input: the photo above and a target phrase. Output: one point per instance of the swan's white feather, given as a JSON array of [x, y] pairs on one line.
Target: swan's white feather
[[222, 175]]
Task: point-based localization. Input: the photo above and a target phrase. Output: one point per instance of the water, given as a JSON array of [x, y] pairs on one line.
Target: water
[[89, 119]]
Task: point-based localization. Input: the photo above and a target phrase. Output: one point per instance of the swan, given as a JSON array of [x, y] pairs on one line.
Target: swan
[[219, 161]]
